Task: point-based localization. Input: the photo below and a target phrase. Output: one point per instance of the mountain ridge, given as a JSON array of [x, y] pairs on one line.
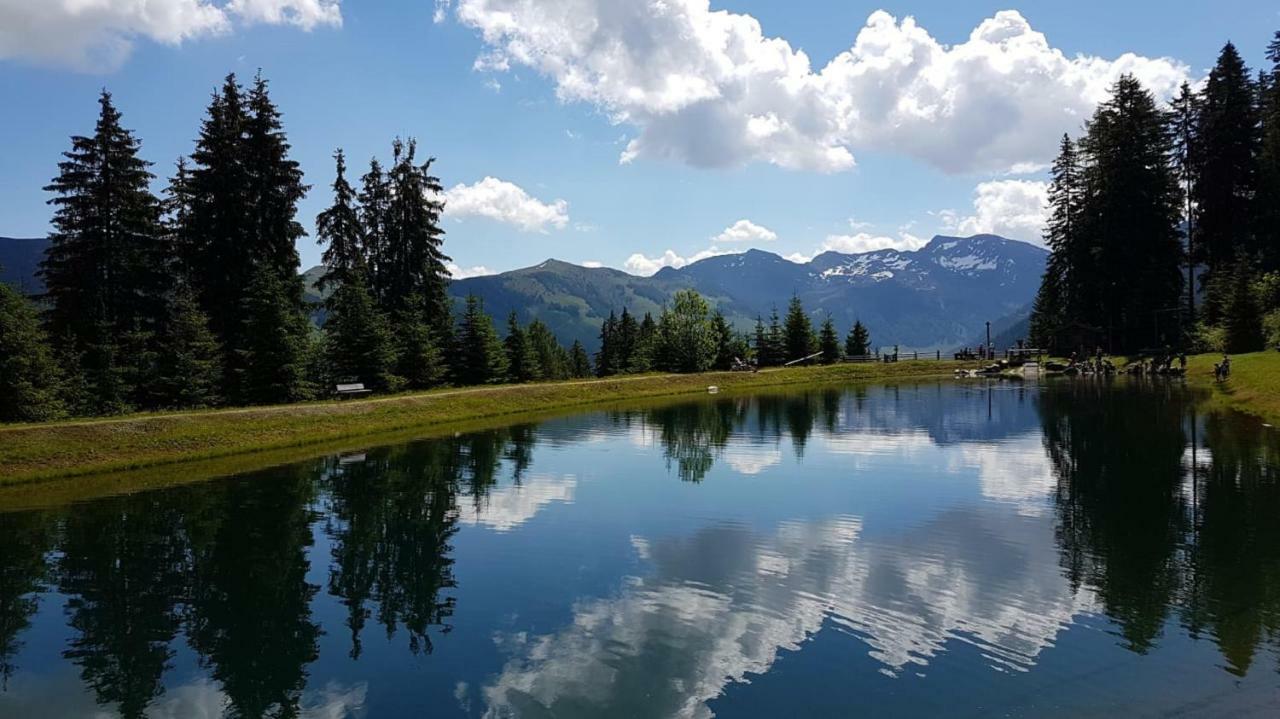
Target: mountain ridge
[[935, 297], [938, 296]]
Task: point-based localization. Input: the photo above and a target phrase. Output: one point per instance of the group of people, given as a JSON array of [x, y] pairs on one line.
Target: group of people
[[1097, 364], [1159, 366], [1164, 363]]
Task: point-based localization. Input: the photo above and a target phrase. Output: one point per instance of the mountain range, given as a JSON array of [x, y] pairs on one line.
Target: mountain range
[[937, 297]]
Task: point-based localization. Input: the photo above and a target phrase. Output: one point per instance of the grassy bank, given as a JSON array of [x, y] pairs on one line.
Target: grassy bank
[[1254, 386], [222, 440]]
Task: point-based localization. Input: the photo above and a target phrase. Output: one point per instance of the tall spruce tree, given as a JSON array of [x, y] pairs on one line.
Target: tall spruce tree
[[1130, 222], [625, 341], [244, 229], [220, 243], [553, 362], [30, 390], [1069, 286], [275, 189], [374, 211], [178, 204], [642, 358], [102, 270], [760, 342], [340, 232], [726, 342], [800, 341], [522, 361], [607, 356], [1226, 165], [359, 345], [858, 343], [777, 344], [829, 342], [1268, 206], [770, 341], [408, 259], [1184, 123], [481, 358], [579, 362]]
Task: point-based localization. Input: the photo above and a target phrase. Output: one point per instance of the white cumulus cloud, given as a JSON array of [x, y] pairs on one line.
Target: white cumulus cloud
[[867, 242], [462, 273], [99, 35], [640, 264], [306, 14], [1017, 209], [859, 242], [505, 202], [710, 89], [746, 231]]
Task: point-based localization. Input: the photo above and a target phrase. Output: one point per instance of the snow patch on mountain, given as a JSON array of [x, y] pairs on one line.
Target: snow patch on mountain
[[968, 262]]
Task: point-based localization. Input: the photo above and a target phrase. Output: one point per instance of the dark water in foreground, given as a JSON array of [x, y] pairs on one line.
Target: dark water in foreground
[[927, 550]]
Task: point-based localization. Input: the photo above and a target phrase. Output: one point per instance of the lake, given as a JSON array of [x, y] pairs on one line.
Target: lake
[[961, 549]]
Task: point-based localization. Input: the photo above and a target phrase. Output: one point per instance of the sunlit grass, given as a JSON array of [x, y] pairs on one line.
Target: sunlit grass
[[1254, 385], [30, 453]]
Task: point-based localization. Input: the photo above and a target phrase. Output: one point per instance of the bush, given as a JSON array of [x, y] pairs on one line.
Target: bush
[[1271, 328], [1208, 338]]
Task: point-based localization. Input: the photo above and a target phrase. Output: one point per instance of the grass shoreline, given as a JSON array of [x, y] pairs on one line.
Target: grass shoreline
[[58, 462], [1253, 388], [36, 453]]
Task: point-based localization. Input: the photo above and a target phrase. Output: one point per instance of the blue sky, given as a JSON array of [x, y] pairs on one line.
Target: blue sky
[[632, 134]]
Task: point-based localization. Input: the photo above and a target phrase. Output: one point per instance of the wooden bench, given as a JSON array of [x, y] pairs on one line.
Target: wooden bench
[[351, 389]]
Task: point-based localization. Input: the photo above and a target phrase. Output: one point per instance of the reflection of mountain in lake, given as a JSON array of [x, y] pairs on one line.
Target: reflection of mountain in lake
[[720, 605], [695, 435]]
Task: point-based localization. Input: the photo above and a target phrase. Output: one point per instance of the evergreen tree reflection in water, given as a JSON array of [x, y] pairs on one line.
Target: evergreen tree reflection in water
[[1172, 516]]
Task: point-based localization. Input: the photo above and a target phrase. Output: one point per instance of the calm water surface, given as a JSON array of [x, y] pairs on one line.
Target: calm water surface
[[922, 550]]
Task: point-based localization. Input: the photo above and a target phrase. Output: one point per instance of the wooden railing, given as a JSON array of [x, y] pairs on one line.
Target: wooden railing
[[894, 357]]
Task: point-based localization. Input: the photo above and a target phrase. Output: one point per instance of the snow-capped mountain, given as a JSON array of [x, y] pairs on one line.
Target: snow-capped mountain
[[995, 261], [937, 297]]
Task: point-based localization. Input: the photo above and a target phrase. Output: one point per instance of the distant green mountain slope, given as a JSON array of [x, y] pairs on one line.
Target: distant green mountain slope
[[938, 297], [19, 261], [574, 301]]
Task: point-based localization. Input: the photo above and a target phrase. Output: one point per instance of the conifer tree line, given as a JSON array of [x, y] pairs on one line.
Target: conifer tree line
[[193, 298], [1165, 219], [688, 336]]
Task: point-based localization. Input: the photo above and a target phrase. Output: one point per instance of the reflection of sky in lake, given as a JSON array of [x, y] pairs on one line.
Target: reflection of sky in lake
[[65, 696], [910, 551], [716, 604]]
